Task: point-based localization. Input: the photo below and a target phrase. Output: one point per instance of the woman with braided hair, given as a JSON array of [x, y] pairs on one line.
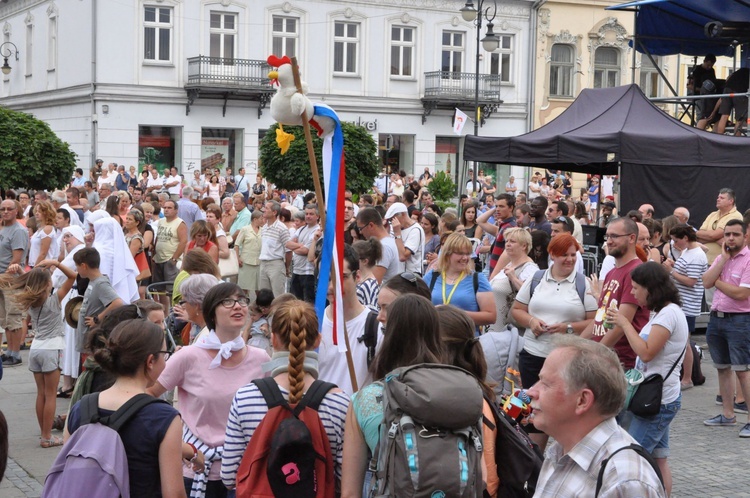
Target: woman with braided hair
[[294, 367]]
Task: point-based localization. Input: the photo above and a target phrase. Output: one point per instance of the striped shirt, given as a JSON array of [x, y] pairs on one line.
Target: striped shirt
[[367, 293], [247, 411], [692, 263], [273, 241], [499, 246], [574, 473]]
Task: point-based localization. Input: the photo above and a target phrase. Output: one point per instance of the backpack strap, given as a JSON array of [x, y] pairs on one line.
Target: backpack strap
[[638, 449], [370, 337], [476, 282], [123, 414], [580, 284], [314, 396], [433, 280], [535, 281], [90, 409], [271, 392]]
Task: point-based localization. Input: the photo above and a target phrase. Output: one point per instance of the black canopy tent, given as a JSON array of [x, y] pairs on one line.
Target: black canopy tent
[[609, 131]]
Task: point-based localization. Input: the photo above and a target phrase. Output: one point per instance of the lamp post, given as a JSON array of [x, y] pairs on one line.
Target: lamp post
[[7, 53], [490, 43]]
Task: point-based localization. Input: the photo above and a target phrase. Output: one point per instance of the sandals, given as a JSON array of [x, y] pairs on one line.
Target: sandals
[[51, 442], [64, 394], [59, 423]]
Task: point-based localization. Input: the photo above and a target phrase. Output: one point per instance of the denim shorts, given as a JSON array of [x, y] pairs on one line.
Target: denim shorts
[[728, 341], [653, 433]]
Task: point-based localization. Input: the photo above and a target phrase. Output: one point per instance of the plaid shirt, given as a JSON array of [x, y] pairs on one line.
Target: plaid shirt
[[499, 246], [628, 475]]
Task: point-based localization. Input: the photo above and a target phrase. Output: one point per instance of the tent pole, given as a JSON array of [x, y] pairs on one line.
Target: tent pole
[[658, 69]]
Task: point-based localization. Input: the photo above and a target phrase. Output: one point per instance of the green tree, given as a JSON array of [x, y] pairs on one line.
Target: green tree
[[31, 155], [442, 189], [292, 170]]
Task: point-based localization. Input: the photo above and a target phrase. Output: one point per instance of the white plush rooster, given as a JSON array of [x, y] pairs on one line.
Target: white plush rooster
[[287, 105]]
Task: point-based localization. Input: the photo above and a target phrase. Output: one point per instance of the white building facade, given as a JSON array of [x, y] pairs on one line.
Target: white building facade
[[178, 82]]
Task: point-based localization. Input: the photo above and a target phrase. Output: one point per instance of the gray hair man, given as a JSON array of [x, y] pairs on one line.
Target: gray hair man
[[580, 390]]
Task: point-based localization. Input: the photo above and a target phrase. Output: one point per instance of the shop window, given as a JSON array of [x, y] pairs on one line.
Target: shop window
[[160, 146]]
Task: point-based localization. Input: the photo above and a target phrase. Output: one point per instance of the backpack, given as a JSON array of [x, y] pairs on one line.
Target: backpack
[[696, 376], [501, 351], [580, 284], [370, 337], [431, 435], [638, 449], [93, 461], [289, 454], [518, 458]]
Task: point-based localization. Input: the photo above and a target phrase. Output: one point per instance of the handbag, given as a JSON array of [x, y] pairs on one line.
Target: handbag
[[229, 266], [142, 263], [634, 377], [646, 401]]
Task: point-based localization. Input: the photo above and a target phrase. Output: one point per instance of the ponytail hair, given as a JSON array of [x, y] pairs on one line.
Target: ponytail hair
[[462, 349], [295, 324]]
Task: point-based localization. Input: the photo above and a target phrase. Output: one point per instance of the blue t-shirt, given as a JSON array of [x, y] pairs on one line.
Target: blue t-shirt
[[464, 297], [141, 436], [594, 198]]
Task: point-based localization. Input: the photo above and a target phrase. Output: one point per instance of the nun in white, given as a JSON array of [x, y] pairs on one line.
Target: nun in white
[[73, 241], [116, 260]]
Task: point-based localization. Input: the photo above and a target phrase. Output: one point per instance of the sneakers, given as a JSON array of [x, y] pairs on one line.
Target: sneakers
[[719, 400], [4, 357], [745, 431], [721, 420], [11, 362], [740, 407]]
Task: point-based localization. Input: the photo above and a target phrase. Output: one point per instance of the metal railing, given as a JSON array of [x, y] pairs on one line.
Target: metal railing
[[224, 72], [448, 84]]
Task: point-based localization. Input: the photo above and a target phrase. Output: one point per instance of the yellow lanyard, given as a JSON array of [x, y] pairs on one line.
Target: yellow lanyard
[[455, 286]]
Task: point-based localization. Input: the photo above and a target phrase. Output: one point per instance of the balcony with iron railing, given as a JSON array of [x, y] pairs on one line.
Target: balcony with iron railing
[[228, 78], [448, 89]]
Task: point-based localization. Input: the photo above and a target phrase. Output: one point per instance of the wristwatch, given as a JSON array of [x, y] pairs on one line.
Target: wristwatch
[[570, 330], [396, 236], [96, 319]]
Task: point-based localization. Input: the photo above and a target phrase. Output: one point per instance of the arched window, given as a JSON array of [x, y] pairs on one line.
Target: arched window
[[606, 67], [561, 71]]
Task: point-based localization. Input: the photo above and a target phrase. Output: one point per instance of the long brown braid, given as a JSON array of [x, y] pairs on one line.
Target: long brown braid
[[296, 326]]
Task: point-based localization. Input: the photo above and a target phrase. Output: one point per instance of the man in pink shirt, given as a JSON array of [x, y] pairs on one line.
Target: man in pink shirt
[[728, 332]]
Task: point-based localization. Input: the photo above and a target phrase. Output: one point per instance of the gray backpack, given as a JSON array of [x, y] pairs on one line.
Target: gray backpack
[[431, 436], [501, 351]]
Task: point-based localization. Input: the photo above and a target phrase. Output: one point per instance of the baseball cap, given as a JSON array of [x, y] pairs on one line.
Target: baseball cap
[[99, 161], [396, 208]]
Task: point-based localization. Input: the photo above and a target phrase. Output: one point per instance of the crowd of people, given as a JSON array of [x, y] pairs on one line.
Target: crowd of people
[[494, 287]]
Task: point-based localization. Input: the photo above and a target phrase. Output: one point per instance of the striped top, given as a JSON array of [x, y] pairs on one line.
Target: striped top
[[367, 293], [692, 263], [248, 409]]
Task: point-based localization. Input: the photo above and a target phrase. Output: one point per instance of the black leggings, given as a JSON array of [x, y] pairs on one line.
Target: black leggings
[[529, 366]]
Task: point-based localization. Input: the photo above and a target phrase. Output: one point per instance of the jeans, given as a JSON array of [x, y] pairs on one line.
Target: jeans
[[728, 341], [653, 433]]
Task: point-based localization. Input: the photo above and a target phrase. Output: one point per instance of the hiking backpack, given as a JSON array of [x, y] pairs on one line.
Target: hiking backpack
[[517, 457], [431, 436], [289, 454], [93, 461]]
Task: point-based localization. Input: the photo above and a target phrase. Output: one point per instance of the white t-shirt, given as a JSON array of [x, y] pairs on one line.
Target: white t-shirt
[[673, 319], [155, 182], [533, 194], [110, 180], [332, 363], [390, 260], [175, 190], [413, 239], [304, 236], [553, 302], [608, 183]]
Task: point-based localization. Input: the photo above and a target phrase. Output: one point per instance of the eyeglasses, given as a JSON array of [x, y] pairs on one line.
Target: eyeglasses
[[409, 277], [359, 228], [561, 219], [7, 209], [166, 354], [230, 302], [615, 236]]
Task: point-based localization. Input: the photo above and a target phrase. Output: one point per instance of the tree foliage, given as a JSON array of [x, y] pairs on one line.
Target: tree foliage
[[292, 170], [31, 155], [442, 188]]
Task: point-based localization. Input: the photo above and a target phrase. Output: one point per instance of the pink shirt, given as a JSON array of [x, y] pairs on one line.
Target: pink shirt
[[736, 272], [205, 396]]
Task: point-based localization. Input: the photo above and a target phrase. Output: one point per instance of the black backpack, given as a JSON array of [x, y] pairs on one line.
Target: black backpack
[[518, 458], [370, 337], [638, 449]]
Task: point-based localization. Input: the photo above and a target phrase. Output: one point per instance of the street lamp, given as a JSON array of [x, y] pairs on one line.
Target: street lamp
[[490, 43], [9, 51]]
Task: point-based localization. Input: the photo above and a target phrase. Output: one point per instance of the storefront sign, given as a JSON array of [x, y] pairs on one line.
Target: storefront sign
[[214, 152], [367, 125]]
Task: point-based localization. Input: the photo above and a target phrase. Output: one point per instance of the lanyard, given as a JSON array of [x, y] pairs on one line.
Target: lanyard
[[455, 286]]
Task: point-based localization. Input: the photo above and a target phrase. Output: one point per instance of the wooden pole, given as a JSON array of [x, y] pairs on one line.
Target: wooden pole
[[322, 211]]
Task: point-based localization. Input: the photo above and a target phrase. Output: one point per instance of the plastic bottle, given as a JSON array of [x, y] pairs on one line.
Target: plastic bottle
[[607, 324]]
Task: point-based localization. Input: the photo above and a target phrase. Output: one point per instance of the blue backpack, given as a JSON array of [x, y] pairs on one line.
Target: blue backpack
[[93, 461]]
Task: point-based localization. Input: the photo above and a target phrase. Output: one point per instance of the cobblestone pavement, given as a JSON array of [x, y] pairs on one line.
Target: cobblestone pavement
[[707, 462]]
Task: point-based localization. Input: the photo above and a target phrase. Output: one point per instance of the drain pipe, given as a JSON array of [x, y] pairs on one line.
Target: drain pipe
[[532, 72], [94, 117]]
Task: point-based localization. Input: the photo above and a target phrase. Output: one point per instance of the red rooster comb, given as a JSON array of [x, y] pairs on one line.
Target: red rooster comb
[[277, 62]]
